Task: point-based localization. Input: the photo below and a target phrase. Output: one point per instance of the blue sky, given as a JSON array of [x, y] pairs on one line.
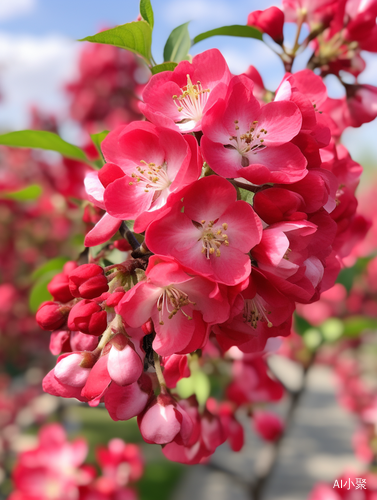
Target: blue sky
[[38, 51]]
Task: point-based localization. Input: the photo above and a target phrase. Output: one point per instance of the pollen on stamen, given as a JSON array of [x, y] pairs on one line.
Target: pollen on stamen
[[218, 253]]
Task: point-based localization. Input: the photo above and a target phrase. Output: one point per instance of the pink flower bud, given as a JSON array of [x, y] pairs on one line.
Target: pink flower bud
[[270, 21], [88, 317], [88, 281], [59, 289], [114, 298], [68, 371], [124, 364], [122, 245], [83, 342], [51, 315], [69, 267], [268, 425], [163, 421]]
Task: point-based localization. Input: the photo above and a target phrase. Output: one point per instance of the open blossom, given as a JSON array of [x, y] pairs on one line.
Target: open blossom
[[208, 231], [259, 312], [145, 165], [313, 12], [243, 139], [179, 99], [179, 305], [283, 248], [51, 471]]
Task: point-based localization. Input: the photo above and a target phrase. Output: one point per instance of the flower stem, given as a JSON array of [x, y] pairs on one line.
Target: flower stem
[[157, 366]]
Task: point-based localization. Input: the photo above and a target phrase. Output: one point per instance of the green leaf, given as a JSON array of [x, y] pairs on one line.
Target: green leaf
[[166, 66], [332, 329], [235, 30], [346, 277], [178, 44], [40, 139], [39, 292], [135, 36], [312, 338], [146, 12], [42, 277], [301, 325], [51, 265], [28, 193], [97, 141], [354, 325], [246, 195], [198, 384]]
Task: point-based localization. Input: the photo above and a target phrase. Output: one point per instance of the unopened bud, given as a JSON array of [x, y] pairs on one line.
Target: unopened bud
[[51, 315], [88, 281], [87, 317]]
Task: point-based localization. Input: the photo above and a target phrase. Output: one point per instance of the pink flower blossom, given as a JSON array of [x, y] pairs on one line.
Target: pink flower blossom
[[243, 139], [209, 232], [146, 164], [179, 305], [179, 99]]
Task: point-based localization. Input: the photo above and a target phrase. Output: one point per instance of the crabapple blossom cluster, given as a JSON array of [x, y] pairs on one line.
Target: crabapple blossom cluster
[[55, 469], [243, 203]]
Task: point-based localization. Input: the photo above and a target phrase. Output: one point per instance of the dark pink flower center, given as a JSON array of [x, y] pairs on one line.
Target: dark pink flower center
[[255, 311]]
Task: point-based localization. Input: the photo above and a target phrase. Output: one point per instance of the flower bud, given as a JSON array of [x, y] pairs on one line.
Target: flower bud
[[270, 21], [51, 315], [83, 342], [122, 245], [59, 289], [124, 364], [114, 298], [88, 317], [164, 421], [69, 267], [88, 281], [69, 370]]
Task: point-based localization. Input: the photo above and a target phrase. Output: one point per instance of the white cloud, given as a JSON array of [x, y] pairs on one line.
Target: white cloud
[[33, 72], [15, 8], [219, 12]]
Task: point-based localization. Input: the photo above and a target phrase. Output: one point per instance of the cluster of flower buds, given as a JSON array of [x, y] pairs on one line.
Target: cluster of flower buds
[[246, 205], [55, 469]]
